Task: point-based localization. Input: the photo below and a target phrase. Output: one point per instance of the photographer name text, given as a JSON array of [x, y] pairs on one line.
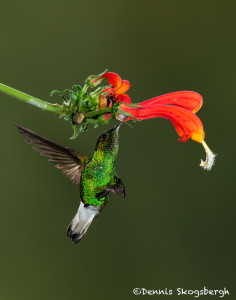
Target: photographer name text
[[181, 291]]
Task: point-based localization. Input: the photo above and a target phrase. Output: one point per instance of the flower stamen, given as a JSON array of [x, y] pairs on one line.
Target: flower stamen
[[210, 158]]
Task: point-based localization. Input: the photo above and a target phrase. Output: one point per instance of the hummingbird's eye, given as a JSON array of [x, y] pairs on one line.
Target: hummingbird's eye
[[104, 136]]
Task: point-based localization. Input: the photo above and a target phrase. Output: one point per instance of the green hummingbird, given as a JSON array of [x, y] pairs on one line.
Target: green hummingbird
[[96, 177]]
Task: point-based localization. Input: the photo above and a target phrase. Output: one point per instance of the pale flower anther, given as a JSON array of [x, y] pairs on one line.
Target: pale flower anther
[[210, 158]]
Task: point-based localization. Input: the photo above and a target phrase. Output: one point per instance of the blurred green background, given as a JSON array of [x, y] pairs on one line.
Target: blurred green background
[[176, 228]]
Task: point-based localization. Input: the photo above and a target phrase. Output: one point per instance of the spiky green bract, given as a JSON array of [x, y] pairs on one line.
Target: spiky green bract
[[95, 80], [83, 102], [101, 171]]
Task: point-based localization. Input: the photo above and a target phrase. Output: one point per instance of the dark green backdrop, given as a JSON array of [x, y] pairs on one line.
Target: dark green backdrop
[[176, 228]]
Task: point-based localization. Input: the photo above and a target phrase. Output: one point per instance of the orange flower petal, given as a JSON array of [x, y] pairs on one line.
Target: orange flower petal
[[124, 88], [186, 99]]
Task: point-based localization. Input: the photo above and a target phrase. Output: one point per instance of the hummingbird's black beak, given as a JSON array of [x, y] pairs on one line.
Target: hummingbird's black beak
[[117, 126]]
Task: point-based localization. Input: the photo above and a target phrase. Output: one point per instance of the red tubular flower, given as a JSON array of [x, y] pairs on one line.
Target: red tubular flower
[[187, 124], [178, 107], [186, 99]]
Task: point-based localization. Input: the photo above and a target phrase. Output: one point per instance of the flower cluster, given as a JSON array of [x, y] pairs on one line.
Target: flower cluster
[[110, 101]]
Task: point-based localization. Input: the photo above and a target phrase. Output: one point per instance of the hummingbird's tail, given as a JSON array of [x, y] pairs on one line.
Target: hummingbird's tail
[[81, 221]]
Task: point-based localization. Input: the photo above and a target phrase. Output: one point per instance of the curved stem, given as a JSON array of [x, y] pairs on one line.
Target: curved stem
[[54, 108], [98, 112]]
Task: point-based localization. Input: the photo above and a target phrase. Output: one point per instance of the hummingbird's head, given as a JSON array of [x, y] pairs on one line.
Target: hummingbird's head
[[108, 142]]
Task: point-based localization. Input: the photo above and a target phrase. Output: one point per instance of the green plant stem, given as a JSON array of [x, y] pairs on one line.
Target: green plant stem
[[54, 108], [92, 121], [98, 112]]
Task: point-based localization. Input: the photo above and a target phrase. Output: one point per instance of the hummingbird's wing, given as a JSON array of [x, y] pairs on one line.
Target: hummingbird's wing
[[70, 162]]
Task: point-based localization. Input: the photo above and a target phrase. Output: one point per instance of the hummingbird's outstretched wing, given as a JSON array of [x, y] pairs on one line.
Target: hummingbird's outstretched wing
[[70, 162]]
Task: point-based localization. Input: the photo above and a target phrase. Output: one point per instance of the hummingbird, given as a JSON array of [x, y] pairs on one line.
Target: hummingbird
[[96, 177]]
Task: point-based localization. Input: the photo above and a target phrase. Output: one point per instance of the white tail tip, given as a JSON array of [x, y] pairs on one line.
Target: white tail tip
[[81, 221]]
